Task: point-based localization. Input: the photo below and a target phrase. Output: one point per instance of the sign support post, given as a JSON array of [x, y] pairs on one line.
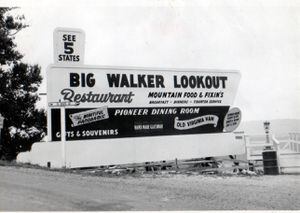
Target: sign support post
[[63, 134], [62, 106]]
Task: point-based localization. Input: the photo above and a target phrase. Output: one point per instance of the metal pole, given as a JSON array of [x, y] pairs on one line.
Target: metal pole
[[63, 134]]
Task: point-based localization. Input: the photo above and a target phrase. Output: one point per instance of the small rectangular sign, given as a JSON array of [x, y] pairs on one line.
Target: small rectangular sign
[[69, 46], [89, 116]]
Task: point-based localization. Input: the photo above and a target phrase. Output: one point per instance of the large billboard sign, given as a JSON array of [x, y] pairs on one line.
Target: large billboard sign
[[120, 115], [112, 102]]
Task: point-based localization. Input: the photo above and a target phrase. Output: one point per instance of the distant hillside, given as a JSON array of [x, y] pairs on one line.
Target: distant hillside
[[277, 127]]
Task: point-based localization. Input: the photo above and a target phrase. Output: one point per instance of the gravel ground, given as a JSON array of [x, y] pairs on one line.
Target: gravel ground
[[30, 189]]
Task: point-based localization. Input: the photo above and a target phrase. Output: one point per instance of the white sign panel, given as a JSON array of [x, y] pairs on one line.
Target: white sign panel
[[68, 46], [134, 87]]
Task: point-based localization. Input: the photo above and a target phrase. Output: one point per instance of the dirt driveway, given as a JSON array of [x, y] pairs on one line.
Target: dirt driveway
[[40, 190]]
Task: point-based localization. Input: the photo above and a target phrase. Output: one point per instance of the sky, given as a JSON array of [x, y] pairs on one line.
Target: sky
[[260, 38]]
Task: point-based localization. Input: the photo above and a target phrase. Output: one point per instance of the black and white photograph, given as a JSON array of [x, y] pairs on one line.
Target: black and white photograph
[[149, 105]]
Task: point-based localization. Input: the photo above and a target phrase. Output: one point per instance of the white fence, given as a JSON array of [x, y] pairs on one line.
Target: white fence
[[287, 147]]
